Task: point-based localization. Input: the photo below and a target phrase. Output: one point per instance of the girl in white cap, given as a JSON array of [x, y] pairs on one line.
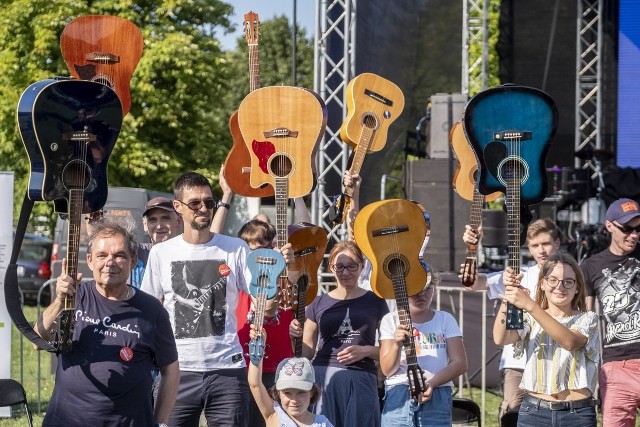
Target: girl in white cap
[[287, 403]]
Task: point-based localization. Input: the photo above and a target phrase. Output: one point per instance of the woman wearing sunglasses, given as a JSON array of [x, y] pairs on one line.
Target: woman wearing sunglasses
[[561, 344]]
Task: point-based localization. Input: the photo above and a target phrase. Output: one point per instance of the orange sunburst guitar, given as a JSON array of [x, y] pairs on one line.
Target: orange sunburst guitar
[[282, 126], [373, 103], [390, 234], [237, 166], [105, 49], [464, 182], [308, 242]]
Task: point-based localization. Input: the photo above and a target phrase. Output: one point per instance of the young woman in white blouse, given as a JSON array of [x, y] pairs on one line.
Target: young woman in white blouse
[[560, 341]]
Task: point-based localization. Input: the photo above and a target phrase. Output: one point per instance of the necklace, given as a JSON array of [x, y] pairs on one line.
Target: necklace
[[128, 293]]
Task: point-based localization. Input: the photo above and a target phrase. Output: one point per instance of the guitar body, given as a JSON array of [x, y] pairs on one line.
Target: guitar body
[[464, 178], [265, 266], [308, 243], [372, 103], [104, 49], [492, 118], [281, 127], [69, 128], [237, 166], [390, 233]]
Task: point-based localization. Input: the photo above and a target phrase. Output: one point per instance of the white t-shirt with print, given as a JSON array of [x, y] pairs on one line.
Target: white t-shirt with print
[[430, 339], [495, 287], [199, 285]]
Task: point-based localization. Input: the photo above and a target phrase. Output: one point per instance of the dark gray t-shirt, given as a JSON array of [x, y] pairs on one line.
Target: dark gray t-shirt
[[342, 323], [105, 380]]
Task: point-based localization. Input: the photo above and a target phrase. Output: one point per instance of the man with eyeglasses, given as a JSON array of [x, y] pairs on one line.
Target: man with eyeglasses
[[198, 276], [613, 276], [543, 239]]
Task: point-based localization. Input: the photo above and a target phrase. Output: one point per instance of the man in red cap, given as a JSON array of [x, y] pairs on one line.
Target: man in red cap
[[161, 222], [613, 275]]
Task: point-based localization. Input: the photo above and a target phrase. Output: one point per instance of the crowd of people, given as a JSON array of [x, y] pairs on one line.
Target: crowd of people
[[161, 330]]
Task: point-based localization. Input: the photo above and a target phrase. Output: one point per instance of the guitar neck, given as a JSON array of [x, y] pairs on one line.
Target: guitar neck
[[358, 157], [475, 219], [76, 198], [514, 314], [303, 285], [261, 305], [282, 198], [402, 300], [254, 67]]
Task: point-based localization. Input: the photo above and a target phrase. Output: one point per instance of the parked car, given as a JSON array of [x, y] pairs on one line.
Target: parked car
[[34, 268]]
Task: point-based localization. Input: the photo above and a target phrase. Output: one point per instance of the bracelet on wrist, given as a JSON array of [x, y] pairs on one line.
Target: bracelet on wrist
[[222, 204]]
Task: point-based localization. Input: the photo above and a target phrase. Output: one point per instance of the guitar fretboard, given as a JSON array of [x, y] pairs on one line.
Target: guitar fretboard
[[402, 299], [254, 67], [368, 132]]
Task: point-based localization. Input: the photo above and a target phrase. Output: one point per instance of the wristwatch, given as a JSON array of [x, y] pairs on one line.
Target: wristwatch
[[222, 204], [160, 425]]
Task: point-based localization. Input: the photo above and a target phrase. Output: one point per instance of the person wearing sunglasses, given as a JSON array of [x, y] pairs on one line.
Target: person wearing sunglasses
[[613, 277], [560, 343], [199, 276]]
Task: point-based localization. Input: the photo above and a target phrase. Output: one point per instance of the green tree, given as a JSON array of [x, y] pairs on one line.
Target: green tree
[[182, 91]]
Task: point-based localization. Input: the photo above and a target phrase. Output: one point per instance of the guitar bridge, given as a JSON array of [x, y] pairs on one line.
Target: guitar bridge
[[390, 230], [102, 57], [511, 135], [281, 133]]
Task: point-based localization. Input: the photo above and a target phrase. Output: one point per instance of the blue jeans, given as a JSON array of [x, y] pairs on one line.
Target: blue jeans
[[400, 410], [531, 415]]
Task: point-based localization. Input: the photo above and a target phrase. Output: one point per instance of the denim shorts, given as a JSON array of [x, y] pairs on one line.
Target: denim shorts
[[533, 415], [400, 410]]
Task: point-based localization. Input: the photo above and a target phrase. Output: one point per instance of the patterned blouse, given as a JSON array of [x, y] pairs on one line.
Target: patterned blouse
[[551, 369]]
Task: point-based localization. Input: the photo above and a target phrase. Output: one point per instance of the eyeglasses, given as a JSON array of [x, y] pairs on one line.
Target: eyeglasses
[[195, 205], [626, 229], [566, 283], [339, 268]]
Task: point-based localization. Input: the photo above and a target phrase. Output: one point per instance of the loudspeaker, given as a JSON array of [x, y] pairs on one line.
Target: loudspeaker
[[440, 125], [494, 228], [428, 181]]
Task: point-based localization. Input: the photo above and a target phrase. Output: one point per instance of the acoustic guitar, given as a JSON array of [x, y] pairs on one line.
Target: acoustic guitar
[[265, 266], [308, 243], [464, 182], [104, 49], [237, 167], [373, 103], [390, 233], [281, 127], [69, 128], [510, 129]]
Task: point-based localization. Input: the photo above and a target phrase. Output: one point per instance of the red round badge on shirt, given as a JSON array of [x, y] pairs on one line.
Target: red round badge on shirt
[[126, 354], [224, 270]]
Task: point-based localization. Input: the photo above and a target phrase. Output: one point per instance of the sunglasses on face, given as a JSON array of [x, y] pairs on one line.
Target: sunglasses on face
[[626, 229], [195, 205]]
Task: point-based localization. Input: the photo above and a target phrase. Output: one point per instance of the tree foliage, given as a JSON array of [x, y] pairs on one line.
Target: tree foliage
[[182, 91]]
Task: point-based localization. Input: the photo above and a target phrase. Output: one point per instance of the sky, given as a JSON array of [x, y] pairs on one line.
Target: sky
[[267, 9]]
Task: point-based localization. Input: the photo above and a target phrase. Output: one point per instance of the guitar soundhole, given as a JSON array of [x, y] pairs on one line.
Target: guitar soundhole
[[280, 166], [76, 175], [105, 80], [370, 121], [513, 169], [396, 266]]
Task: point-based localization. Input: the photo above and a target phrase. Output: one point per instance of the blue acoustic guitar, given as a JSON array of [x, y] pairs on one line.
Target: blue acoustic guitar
[[69, 128], [265, 266], [510, 129]]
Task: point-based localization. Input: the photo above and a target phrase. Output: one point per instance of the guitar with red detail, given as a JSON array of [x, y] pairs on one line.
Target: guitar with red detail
[[282, 126], [237, 166], [104, 49]]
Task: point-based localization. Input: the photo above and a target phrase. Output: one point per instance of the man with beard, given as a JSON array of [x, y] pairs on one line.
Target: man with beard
[[198, 276], [613, 275]]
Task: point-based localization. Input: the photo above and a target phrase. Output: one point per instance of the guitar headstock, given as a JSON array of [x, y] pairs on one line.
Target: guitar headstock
[[417, 382], [251, 28]]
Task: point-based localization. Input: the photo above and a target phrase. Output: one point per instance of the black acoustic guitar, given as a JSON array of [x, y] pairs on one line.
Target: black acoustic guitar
[[69, 128]]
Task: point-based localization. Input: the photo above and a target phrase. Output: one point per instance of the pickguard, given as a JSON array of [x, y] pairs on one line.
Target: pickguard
[[263, 151]]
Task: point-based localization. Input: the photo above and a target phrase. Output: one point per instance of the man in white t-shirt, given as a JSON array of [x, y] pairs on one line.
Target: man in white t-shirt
[[198, 276], [543, 239]]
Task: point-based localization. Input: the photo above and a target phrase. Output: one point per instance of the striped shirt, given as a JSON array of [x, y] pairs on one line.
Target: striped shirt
[[550, 369]]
